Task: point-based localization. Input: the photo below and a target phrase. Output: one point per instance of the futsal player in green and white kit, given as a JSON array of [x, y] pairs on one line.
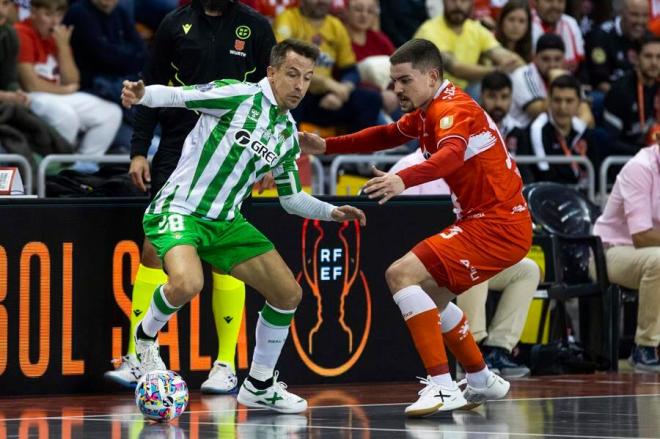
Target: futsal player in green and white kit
[[244, 132]]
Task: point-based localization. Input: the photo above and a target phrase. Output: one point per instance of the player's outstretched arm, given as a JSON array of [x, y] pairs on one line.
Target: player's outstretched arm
[[307, 206], [368, 140]]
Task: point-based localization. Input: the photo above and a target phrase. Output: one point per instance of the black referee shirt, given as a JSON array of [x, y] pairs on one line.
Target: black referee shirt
[[191, 47]]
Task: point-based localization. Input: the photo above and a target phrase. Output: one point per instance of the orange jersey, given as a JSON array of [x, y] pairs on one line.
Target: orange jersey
[[485, 181]]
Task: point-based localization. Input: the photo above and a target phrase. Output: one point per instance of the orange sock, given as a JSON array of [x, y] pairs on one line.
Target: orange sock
[[461, 343], [425, 331]]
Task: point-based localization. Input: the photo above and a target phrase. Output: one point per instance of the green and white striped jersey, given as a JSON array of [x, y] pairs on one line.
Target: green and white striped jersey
[[240, 136]]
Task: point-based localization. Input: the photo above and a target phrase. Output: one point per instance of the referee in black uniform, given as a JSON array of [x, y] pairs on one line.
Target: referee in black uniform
[[195, 44]]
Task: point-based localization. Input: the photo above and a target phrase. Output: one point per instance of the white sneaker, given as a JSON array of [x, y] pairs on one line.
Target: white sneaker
[[496, 388], [276, 397], [127, 373], [435, 398], [222, 379], [148, 354]]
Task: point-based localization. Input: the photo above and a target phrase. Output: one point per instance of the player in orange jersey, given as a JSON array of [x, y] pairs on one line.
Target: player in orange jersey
[[493, 229]]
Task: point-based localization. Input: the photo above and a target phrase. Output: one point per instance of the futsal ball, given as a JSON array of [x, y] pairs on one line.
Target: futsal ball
[[161, 395]]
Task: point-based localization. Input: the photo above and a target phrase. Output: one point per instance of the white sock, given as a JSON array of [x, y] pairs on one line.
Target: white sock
[[444, 380], [271, 333], [413, 300], [159, 313], [478, 379]]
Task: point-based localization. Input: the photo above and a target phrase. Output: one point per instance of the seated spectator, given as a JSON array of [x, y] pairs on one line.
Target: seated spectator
[[399, 20], [47, 71], [21, 132], [514, 29], [530, 90], [467, 42], [518, 284], [632, 110], [9, 88], [361, 17], [496, 94], [330, 102], [106, 47], [548, 17], [630, 230], [613, 47], [560, 132], [270, 8]]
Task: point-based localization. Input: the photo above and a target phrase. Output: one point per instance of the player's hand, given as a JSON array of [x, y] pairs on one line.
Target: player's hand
[[384, 186], [132, 93], [268, 182], [349, 213], [139, 172], [311, 143], [331, 102]]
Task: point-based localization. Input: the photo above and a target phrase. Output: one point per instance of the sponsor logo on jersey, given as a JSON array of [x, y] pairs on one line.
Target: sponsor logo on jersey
[[186, 28], [243, 138]]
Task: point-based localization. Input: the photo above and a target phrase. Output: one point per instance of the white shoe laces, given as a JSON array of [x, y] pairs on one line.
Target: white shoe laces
[[428, 385], [151, 359], [280, 387]]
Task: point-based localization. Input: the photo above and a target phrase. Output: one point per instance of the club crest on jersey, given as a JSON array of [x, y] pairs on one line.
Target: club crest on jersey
[[446, 122], [243, 138]]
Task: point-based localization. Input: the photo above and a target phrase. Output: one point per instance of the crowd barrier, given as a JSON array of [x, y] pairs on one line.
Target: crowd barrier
[[317, 168]]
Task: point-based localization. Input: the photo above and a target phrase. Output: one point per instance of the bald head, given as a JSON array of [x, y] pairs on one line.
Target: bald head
[[634, 18]]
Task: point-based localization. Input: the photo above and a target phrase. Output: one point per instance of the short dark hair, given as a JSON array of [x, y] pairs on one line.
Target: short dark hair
[[279, 51], [422, 54], [496, 81], [648, 39], [549, 42], [566, 81], [53, 5]]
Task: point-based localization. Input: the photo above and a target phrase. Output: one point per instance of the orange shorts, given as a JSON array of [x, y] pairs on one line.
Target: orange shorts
[[473, 250]]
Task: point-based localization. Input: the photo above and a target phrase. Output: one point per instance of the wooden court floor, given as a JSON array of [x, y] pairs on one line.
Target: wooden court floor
[[571, 406]]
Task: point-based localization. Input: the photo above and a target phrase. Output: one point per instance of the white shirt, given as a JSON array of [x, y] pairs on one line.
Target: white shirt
[[528, 86], [569, 31]]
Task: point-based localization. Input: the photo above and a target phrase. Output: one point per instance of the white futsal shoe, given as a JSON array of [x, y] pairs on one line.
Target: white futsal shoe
[[222, 379], [276, 397], [496, 388], [127, 373], [148, 354], [435, 398]]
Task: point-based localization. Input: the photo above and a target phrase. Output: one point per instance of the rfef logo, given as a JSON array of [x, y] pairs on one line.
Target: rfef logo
[[332, 280]]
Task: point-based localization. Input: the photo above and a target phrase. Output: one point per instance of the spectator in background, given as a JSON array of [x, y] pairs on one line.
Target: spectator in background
[[630, 230], [401, 19], [549, 16], [514, 30], [632, 110], [106, 47], [46, 69], [361, 18], [270, 8], [559, 131], [496, 95], [330, 102], [632, 107], [9, 89], [613, 47], [372, 49], [467, 42], [530, 82]]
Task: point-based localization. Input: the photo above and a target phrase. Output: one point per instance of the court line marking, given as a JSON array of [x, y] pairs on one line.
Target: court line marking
[[136, 414], [419, 430]]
